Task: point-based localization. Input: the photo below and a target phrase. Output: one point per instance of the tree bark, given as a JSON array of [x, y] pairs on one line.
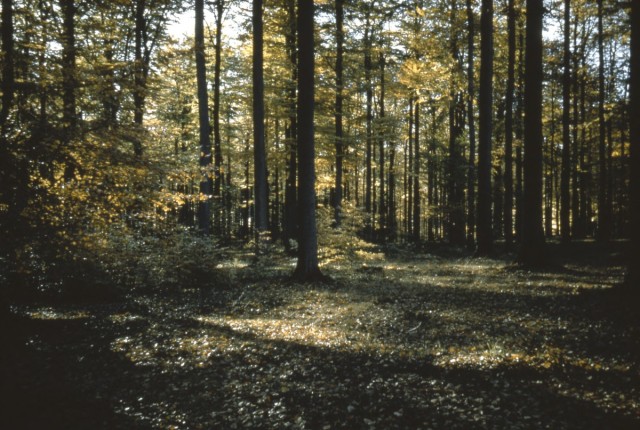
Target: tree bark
[[633, 273], [565, 195], [508, 127], [307, 267], [485, 234], [416, 174], [217, 139], [337, 203], [259, 152], [604, 211], [204, 208], [533, 243], [8, 72], [471, 179]]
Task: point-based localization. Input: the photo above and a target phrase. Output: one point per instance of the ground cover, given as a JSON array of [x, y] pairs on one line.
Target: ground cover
[[398, 338]]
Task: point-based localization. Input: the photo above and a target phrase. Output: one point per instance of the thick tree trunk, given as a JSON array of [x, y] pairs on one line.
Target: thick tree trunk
[[259, 153], [307, 267], [485, 234], [290, 223], [204, 209], [533, 245]]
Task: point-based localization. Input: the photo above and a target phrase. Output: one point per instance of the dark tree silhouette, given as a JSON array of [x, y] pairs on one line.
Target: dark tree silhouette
[[533, 246], [485, 233], [259, 153], [307, 268], [8, 77], [508, 127], [565, 196], [471, 178], [337, 201], [633, 274]]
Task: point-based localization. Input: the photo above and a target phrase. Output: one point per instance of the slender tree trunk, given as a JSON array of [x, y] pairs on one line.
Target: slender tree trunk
[[307, 268], [416, 174], [382, 209], [471, 179], [69, 79], [138, 74], [337, 203], [604, 211], [8, 72], [633, 273], [409, 211], [204, 208], [261, 198], [369, 137], [565, 195], [508, 128], [217, 139], [532, 248], [485, 234]]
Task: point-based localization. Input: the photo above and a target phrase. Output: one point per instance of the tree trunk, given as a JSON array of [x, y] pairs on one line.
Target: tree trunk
[[416, 174], [633, 273], [471, 179], [259, 153], [138, 73], [565, 196], [290, 223], [8, 72], [604, 211], [381, 153], [217, 139], [307, 267], [337, 202], [508, 128], [532, 247], [369, 137], [204, 208], [456, 217], [485, 234]]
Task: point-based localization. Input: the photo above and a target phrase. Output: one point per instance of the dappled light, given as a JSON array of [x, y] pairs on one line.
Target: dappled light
[[396, 341]]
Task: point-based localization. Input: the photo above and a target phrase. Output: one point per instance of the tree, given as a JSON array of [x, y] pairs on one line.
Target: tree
[[508, 126], [532, 248], [633, 273], [471, 178], [204, 209], [485, 234], [217, 139], [565, 196], [8, 78], [604, 210], [307, 267], [260, 157], [337, 200]]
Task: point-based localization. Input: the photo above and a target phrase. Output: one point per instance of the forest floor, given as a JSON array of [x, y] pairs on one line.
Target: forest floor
[[398, 339]]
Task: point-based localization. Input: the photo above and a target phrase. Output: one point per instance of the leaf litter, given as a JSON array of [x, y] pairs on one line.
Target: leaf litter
[[398, 339]]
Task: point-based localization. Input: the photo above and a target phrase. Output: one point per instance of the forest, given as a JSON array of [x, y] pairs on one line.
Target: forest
[[384, 214]]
